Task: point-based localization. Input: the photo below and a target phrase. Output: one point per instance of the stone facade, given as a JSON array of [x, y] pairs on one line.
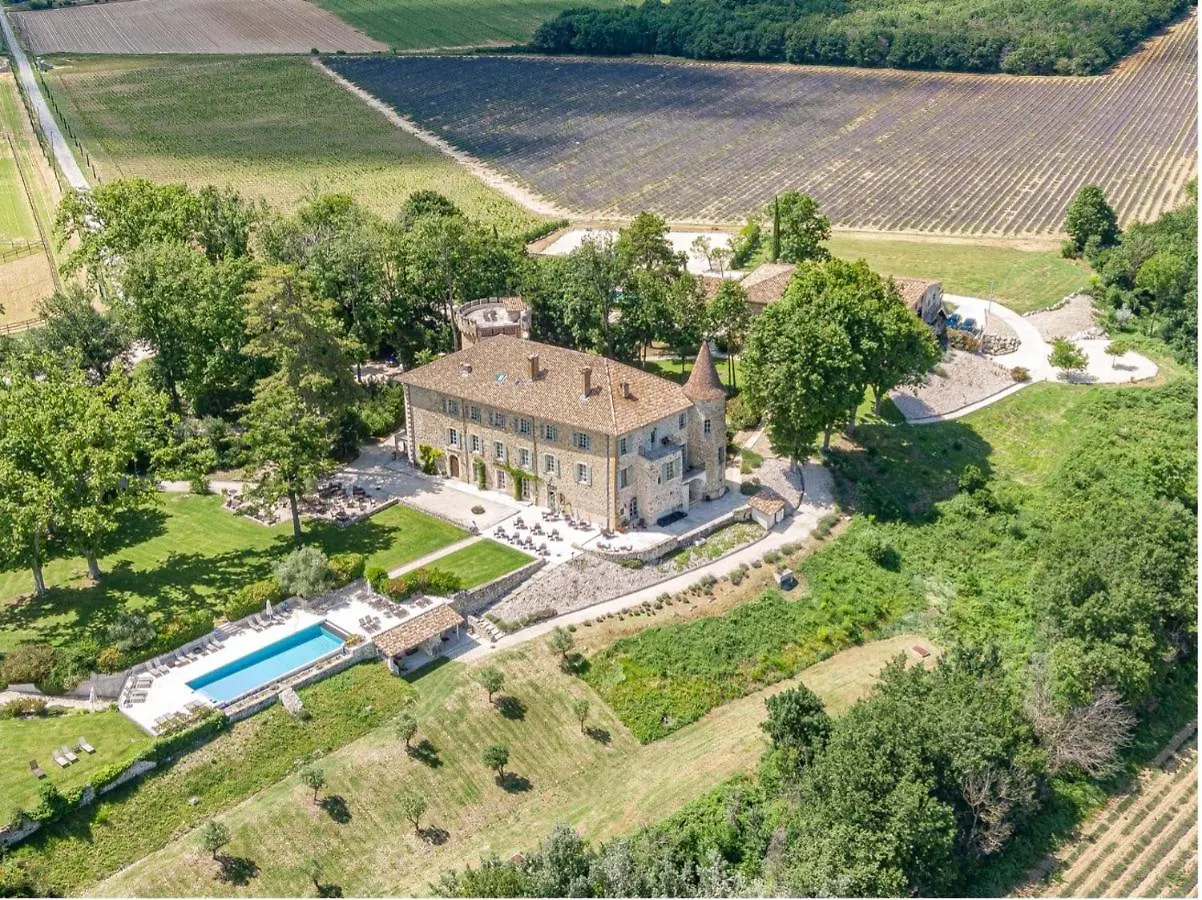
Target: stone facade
[[576, 433]]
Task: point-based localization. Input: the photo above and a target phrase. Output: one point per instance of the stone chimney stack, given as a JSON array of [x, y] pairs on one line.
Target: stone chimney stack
[[587, 375], [533, 366], [624, 387]]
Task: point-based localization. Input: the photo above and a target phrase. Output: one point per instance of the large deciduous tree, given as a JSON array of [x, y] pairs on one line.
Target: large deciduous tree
[[728, 317], [800, 228], [290, 422], [1090, 221]]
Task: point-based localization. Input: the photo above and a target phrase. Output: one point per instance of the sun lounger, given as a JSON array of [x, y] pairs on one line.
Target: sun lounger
[[66, 751], [36, 769], [62, 761], [85, 746]]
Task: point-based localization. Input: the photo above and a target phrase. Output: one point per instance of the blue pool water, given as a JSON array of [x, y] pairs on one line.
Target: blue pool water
[[243, 675]]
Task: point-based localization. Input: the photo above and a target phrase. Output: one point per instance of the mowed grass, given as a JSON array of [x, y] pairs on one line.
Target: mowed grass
[[16, 220], [187, 553], [603, 783], [420, 24], [114, 738], [273, 128], [136, 819], [481, 562], [1021, 279]]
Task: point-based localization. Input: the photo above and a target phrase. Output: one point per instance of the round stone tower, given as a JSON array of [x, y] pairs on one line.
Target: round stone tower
[[707, 424]]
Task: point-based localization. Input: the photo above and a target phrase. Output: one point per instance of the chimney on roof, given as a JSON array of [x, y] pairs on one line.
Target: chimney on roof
[[533, 366], [465, 368], [624, 387], [587, 374]]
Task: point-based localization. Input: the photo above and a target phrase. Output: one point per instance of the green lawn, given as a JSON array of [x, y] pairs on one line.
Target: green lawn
[[481, 562], [114, 737], [187, 553], [281, 131], [678, 371], [16, 221], [420, 24], [1021, 279]]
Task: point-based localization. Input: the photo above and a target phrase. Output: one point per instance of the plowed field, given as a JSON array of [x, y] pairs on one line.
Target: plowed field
[[191, 26], [881, 150]]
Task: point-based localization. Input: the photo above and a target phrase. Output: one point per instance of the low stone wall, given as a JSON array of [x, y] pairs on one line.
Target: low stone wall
[[662, 549], [244, 709], [473, 600]]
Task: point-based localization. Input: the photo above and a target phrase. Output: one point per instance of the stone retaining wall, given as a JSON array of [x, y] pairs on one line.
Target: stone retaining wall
[[473, 600], [244, 709]]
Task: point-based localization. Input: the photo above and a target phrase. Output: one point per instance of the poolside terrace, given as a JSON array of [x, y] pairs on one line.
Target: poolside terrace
[[161, 692]]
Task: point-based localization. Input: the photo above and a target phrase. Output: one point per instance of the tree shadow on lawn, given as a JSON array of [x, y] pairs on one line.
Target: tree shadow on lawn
[[336, 808], [511, 708], [237, 870], [183, 583], [900, 473], [600, 735], [329, 890], [434, 835], [512, 783], [426, 754]]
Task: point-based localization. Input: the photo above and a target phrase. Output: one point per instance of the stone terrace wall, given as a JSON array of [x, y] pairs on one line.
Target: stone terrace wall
[[662, 549], [473, 600]]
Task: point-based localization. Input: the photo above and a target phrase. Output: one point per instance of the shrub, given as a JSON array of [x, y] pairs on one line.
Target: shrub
[[252, 598], [1020, 374], [130, 631], [423, 581], [749, 488], [971, 480], [377, 578], [771, 556], [962, 340], [825, 524], [736, 577], [110, 659], [346, 567], [179, 630], [383, 411], [427, 459], [305, 572], [631, 564], [23, 706], [29, 664], [739, 415]]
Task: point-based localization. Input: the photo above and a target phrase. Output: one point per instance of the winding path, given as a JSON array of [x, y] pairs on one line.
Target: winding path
[[67, 163]]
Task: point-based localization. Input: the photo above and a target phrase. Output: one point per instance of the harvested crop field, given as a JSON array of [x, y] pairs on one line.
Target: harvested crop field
[[190, 26], [1144, 843], [881, 150]]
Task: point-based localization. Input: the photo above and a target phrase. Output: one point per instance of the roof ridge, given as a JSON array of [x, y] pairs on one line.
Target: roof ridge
[[609, 384]]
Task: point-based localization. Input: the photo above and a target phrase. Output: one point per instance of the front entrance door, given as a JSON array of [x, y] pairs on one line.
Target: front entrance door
[[453, 462]]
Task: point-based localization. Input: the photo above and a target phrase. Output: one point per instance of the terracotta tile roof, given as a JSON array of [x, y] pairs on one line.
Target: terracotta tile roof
[[704, 383], [496, 373], [420, 628], [710, 285], [766, 284], [767, 501], [912, 289]]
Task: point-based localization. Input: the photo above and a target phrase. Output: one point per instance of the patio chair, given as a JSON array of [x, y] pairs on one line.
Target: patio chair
[[254, 622], [62, 761], [66, 751], [85, 746], [36, 769], [138, 696]]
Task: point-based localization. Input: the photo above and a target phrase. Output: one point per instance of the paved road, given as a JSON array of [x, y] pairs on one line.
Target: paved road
[[58, 142]]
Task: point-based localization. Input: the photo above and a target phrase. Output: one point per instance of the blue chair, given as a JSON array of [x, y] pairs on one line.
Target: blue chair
[[953, 321], [969, 325]]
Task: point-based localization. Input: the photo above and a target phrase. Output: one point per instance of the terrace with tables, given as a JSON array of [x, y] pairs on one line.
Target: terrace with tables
[[256, 657]]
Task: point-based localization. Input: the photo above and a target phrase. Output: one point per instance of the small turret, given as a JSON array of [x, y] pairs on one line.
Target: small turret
[[707, 428], [704, 384]]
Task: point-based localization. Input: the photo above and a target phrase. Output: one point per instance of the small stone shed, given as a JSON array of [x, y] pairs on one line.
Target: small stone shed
[[767, 507], [424, 632]]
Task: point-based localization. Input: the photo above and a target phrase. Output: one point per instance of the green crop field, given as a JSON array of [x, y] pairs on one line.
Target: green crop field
[[1021, 279], [16, 221], [274, 128], [187, 554], [419, 24]]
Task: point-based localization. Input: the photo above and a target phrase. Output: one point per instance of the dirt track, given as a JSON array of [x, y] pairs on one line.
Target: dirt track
[[191, 26]]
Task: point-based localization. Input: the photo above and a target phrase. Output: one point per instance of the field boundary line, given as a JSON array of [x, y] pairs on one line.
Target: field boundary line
[[523, 196], [33, 211]]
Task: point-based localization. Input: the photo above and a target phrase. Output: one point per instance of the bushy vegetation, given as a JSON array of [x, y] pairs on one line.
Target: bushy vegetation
[[1147, 277], [663, 678], [423, 581], [1031, 37]]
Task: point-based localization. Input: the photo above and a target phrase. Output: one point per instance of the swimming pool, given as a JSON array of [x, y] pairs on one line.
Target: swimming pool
[[245, 674]]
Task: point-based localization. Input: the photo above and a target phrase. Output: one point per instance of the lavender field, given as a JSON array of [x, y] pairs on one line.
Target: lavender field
[[889, 150]]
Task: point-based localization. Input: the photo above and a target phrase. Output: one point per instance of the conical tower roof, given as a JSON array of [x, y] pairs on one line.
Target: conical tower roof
[[704, 383]]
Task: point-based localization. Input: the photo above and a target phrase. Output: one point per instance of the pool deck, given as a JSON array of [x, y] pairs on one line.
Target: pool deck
[[169, 693]]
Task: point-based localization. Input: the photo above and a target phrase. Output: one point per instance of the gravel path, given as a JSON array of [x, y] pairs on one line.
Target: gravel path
[[58, 143], [967, 378], [1075, 316]]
